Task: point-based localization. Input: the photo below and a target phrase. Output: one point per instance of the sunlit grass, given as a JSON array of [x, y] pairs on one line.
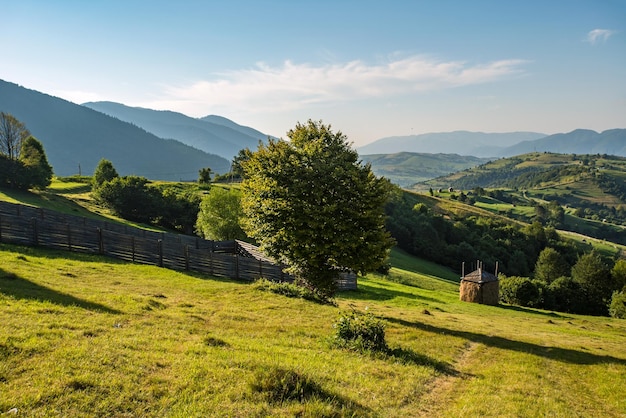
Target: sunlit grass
[[89, 336]]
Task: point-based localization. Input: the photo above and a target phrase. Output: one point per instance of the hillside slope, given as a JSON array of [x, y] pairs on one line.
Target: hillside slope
[[407, 168], [75, 136], [212, 134], [88, 336]]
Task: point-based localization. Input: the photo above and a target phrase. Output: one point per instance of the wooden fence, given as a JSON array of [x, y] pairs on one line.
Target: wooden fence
[[27, 225]]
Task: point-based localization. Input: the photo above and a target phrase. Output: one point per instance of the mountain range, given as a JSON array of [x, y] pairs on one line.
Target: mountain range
[[75, 138], [495, 145], [212, 134], [477, 144], [165, 145]]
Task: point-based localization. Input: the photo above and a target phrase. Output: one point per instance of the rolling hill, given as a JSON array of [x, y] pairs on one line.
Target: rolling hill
[[408, 168], [212, 134]]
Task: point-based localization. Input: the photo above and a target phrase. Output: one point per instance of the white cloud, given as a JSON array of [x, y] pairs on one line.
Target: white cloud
[[291, 86], [599, 35]]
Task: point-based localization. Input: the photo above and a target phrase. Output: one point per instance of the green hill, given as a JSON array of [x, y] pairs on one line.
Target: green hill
[[75, 138], [212, 134], [408, 168]]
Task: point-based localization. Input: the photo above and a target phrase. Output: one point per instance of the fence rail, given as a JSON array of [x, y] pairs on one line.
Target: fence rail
[[27, 225]]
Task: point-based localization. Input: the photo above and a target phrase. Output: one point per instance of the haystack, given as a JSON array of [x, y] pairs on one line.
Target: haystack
[[480, 286]]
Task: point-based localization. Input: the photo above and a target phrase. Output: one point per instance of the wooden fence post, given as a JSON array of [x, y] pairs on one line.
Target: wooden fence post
[[132, 243], [69, 236], [100, 241], [0, 228], [160, 249], [186, 257], [260, 268], [237, 266], [33, 222]]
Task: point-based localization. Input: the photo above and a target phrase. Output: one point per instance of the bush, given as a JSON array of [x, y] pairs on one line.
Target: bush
[[293, 290], [566, 295], [521, 291], [360, 332], [617, 309], [280, 385]]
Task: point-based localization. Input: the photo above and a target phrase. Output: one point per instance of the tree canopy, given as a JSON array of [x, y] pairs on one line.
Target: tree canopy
[[23, 161], [12, 134], [219, 215], [312, 204]]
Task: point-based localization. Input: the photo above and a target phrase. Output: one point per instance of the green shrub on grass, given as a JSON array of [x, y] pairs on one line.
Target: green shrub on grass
[[520, 291], [280, 385], [360, 331], [293, 290], [617, 309]]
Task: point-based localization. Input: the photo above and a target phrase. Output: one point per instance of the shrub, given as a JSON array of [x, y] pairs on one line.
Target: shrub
[[566, 295], [520, 291], [360, 332], [617, 309], [293, 290], [280, 385]]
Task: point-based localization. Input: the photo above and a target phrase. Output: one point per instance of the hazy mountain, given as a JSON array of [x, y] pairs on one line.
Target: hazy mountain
[[75, 136], [580, 141], [478, 144], [408, 168], [213, 134]]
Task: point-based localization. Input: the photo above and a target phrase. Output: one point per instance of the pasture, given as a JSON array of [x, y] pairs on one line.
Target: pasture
[[84, 335]]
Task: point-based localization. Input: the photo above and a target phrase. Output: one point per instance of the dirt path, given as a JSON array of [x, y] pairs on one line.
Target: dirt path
[[441, 389]]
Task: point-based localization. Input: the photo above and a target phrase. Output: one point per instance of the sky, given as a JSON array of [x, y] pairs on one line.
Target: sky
[[370, 69]]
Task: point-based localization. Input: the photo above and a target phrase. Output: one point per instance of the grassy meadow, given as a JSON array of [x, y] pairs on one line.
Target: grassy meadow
[[90, 336]]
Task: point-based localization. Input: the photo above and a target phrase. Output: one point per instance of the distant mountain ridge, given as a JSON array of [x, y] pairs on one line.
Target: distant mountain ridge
[[76, 137], [212, 134], [477, 144], [579, 141]]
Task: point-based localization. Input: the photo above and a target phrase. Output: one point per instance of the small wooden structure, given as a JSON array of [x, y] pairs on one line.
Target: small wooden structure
[[480, 286]]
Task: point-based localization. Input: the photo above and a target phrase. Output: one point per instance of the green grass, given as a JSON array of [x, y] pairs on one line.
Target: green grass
[[89, 336]]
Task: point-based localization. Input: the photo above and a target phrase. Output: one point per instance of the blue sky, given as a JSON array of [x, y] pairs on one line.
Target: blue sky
[[371, 69]]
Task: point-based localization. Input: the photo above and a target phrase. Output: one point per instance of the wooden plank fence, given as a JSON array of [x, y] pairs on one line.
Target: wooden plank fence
[[27, 225]]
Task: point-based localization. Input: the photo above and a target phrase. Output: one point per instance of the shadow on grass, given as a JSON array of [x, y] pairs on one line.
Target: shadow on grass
[[564, 355], [367, 292], [534, 311], [279, 386], [20, 288], [411, 357]]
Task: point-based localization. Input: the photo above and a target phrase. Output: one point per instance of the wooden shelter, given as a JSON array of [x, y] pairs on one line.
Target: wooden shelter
[[480, 286]]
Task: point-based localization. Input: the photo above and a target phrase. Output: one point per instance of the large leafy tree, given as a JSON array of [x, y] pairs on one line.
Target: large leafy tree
[[312, 204], [594, 277], [551, 265], [12, 134], [220, 212]]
